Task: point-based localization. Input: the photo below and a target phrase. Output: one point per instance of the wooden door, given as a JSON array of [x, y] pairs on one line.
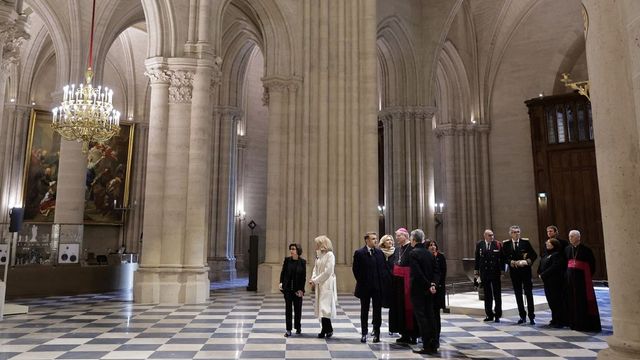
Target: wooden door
[[565, 171]]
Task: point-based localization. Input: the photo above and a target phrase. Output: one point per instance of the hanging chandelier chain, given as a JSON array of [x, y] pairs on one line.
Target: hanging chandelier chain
[[86, 114]]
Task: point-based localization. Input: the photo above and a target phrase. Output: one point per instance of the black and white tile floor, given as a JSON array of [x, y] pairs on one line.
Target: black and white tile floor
[[240, 324]]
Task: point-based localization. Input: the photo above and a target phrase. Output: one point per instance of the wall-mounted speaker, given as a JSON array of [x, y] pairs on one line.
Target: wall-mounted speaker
[[4, 253], [16, 215], [68, 253]]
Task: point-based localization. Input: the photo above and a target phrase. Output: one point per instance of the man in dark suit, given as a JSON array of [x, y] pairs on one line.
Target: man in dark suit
[[424, 277], [552, 233], [519, 256], [489, 264], [368, 269]]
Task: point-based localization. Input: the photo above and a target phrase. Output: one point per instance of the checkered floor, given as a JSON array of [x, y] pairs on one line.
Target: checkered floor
[[240, 324]]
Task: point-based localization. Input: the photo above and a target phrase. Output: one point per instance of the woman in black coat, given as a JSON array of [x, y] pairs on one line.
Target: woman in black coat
[[551, 271], [387, 248], [292, 280], [439, 297]]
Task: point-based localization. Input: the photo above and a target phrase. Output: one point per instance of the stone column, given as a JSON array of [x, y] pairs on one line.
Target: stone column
[[174, 271], [220, 257], [13, 140], [240, 248], [408, 149], [464, 180], [146, 279], [611, 47], [14, 119], [322, 156]]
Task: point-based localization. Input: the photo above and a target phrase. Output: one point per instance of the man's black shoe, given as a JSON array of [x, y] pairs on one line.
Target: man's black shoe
[[521, 321], [402, 340], [376, 338], [488, 318], [532, 322], [424, 351], [497, 320], [363, 339], [329, 334], [321, 335], [298, 331], [413, 341], [287, 333]]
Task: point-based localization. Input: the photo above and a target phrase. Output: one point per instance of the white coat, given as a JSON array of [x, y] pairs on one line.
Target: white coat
[[324, 279]]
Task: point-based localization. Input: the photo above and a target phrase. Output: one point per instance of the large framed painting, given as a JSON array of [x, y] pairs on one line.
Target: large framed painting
[[107, 180], [41, 169]]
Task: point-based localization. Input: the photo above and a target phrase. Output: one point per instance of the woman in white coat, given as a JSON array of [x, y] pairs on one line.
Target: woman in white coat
[[323, 280]]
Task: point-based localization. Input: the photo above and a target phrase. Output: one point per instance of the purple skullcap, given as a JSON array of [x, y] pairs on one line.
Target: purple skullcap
[[403, 230]]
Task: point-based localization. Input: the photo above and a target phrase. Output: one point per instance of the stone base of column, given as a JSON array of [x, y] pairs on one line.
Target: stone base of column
[[242, 265], [222, 269], [269, 277], [620, 349], [171, 285]]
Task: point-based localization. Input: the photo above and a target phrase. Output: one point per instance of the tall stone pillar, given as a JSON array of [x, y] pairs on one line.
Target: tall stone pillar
[[172, 268], [13, 138], [408, 150], [465, 177], [14, 118], [222, 200], [322, 152], [611, 47]]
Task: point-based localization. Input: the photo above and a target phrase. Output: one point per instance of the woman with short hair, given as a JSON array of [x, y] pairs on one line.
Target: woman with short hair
[[292, 280]]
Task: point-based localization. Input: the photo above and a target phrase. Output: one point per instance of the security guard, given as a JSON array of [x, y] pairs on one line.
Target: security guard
[[489, 265]]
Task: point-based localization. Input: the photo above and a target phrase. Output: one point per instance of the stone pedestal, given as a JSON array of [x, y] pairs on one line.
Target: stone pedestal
[[222, 269], [171, 285]]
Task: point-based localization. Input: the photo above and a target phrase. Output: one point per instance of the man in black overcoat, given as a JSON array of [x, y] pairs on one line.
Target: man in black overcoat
[[368, 269], [424, 277]]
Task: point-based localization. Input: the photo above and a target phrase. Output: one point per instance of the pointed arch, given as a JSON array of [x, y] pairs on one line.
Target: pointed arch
[[453, 88], [275, 38], [397, 64]]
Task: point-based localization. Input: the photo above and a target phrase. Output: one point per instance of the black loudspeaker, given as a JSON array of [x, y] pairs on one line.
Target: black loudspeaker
[[15, 219], [253, 263]]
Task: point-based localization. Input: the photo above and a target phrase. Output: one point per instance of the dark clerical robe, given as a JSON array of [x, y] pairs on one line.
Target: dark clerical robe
[[401, 309], [582, 307]]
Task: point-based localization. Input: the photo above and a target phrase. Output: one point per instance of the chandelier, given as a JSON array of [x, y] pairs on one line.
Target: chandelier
[[86, 114]]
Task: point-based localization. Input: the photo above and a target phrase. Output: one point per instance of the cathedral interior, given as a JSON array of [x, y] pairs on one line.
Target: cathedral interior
[[247, 125]]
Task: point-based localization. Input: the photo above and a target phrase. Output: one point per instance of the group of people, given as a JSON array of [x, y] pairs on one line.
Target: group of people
[[566, 269], [408, 279], [407, 276]]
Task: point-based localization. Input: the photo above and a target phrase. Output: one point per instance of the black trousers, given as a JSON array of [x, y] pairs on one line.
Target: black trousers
[[492, 292], [423, 311], [522, 280], [437, 322], [291, 300], [326, 325], [554, 294], [376, 298]]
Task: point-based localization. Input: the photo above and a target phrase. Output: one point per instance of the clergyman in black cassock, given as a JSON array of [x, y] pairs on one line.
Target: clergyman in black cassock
[[401, 309], [582, 307]]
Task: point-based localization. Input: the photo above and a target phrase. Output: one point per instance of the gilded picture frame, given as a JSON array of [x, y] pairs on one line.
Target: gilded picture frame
[[40, 176], [108, 177]]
